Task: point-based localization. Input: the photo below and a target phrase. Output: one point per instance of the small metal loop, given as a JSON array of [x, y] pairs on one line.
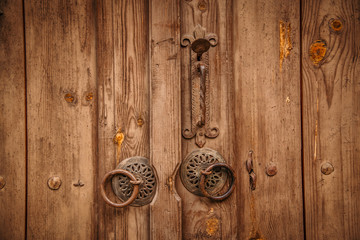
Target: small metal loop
[[232, 181], [132, 180]]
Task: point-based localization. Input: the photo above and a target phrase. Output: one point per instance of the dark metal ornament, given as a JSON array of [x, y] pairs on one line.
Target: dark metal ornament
[[197, 161], [140, 167], [200, 43]]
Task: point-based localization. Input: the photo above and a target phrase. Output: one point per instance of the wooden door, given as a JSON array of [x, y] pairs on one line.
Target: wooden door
[[88, 84]]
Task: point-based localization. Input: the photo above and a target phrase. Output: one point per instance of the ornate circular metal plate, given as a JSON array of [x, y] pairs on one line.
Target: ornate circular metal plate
[[143, 171], [197, 161]]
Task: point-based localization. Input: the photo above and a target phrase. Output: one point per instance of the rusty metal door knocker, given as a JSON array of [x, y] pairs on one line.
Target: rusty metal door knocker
[[208, 171], [133, 182], [205, 173]]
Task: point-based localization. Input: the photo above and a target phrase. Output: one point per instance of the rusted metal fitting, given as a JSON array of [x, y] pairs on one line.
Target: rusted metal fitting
[[252, 181], [249, 168], [2, 182], [54, 183], [133, 195], [249, 162], [208, 171], [144, 173], [194, 166], [78, 184], [271, 169], [327, 168]]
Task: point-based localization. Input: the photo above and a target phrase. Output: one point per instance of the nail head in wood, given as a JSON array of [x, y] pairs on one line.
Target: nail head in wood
[[54, 183], [327, 168], [271, 169]]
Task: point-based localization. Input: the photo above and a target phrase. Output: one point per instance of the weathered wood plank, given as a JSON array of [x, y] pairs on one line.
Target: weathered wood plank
[[331, 108], [165, 117], [12, 121], [131, 61], [123, 52], [62, 121], [106, 218], [267, 105], [204, 218]]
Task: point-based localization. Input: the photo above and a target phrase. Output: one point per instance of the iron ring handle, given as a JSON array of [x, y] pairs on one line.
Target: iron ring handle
[[207, 171], [133, 180]]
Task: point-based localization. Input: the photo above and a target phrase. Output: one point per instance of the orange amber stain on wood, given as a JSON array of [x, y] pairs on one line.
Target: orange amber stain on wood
[[212, 226], [69, 98], [202, 6], [336, 25], [317, 51], [89, 96], [140, 121], [285, 42], [119, 139]]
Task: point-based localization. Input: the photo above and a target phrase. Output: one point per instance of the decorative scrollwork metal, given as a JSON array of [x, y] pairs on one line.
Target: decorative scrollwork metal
[[198, 161], [200, 42], [143, 171]]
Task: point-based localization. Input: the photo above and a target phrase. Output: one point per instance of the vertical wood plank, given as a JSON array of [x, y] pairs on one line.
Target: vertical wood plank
[[106, 218], [123, 56], [131, 61], [331, 114], [12, 121], [165, 117], [267, 103], [202, 217], [62, 121]]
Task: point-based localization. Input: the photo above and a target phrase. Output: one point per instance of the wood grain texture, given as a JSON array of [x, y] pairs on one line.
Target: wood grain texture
[[202, 217], [165, 117], [267, 107], [331, 108], [106, 216], [12, 121], [123, 86], [62, 121]]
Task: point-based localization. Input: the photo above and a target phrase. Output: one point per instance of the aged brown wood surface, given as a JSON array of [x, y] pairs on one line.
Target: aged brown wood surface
[[267, 103], [165, 116], [62, 121], [108, 80], [331, 108], [12, 122], [123, 87], [202, 217]]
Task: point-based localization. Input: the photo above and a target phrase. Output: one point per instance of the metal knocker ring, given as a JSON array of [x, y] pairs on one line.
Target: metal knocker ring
[[207, 172], [133, 181]]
